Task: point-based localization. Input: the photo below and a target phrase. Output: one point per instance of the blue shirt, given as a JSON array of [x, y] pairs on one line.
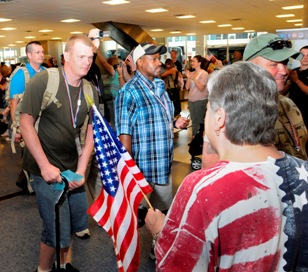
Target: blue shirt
[[17, 84], [144, 111]]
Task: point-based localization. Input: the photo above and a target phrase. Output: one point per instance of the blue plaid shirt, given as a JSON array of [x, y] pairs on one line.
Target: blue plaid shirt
[[144, 111]]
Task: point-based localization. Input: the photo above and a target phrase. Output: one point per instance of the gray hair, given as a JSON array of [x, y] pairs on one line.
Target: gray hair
[[248, 95]]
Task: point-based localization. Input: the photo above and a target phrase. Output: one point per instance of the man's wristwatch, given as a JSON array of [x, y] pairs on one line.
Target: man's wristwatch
[[155, 237]]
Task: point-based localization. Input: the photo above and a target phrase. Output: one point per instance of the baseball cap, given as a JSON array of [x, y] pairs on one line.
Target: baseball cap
[[147, 49], [272, 47]]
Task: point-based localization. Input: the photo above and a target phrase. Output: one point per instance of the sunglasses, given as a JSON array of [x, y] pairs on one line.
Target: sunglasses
[[275, 45]]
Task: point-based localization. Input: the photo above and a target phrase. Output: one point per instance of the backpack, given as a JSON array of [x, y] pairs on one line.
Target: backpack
[[27, 78], [48, 98]]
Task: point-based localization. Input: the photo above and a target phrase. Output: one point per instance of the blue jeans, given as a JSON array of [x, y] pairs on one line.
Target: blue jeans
[[73, 212]]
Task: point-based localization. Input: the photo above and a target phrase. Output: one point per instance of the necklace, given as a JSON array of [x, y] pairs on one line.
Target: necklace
[[293, 133]]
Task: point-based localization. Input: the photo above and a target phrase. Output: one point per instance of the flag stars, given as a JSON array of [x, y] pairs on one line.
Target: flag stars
[[112, 189], [303, 174], [110, 181]]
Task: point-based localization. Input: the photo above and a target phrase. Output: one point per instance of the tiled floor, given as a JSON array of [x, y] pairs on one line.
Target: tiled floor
[[20, 224]]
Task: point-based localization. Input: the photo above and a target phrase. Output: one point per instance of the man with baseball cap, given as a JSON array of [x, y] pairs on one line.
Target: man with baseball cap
[[271, 52], [144, 122]]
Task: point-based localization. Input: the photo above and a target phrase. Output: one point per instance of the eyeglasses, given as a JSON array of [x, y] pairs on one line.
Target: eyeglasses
[[275, 45]]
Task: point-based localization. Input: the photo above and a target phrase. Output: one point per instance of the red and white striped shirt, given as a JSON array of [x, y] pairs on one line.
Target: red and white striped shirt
[[236, 217]]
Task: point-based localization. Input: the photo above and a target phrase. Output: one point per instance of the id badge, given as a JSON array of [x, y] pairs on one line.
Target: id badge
[[78, 145]]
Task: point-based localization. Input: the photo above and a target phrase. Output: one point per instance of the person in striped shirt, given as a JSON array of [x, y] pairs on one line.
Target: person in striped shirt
[[249, 211]]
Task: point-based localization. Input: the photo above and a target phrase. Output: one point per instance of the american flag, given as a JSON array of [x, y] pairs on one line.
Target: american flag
[[208, 55], [117, 205]]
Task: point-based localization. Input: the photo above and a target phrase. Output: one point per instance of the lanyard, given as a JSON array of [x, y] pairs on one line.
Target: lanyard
[[163, 103], [73, 116]]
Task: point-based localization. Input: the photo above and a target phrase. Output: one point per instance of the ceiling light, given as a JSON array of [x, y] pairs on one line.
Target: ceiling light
[[115, 2], [76, 32], [224, 25], [157, 30], [8, 28], [190, 34], [45, 30], [285, 15], [298, 24], [156, 10], [11, 45], [56, 38], [3, 20], [207, 22], [238, 28], [2, 36], [294, 21], [30, 37], [293, 7], [250, 31], [182, 16], [70, 21], [19, 42], [175, 32]]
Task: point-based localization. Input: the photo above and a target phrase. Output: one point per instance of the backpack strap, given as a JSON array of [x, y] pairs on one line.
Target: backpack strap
[[50, 92], [87, 91], [19, 97], [27, 75]]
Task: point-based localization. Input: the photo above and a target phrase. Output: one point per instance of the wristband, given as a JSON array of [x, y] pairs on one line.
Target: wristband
[[155, 237]]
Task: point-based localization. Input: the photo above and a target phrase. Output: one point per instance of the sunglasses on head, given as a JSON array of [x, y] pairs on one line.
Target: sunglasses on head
[[275, 45]]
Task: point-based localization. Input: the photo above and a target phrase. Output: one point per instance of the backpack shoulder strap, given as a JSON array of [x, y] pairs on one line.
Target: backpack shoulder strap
[[87, 91], [27, 75], [50, 92], [51, 88], [19, 97]]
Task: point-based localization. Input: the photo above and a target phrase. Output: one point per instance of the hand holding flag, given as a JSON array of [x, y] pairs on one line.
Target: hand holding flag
[[123, 188]]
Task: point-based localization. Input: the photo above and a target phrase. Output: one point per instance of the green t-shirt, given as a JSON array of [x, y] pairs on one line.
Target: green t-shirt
[[55, 131]]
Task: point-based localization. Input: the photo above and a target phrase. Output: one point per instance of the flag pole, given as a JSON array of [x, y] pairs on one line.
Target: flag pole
[[146, 199], [91, 102]]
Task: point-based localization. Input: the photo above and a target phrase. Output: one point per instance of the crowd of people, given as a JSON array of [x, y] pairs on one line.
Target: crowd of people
[[245, 210]]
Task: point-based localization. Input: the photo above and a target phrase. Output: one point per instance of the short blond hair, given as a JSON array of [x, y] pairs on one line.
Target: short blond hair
[[77, 38]]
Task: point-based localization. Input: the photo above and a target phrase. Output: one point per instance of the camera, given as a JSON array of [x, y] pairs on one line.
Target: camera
[[101, 34]]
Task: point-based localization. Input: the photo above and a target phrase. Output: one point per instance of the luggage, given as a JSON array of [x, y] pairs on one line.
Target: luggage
[[195, 149]]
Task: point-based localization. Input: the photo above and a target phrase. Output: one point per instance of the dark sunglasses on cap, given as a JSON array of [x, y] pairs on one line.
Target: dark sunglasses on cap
[[275, 45]]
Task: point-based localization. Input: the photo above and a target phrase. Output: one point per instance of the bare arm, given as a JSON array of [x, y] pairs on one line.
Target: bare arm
[[188, 81], [168, 72], [294, 78], [154, 221], [49, 172], [126, 140], [105, 64]]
